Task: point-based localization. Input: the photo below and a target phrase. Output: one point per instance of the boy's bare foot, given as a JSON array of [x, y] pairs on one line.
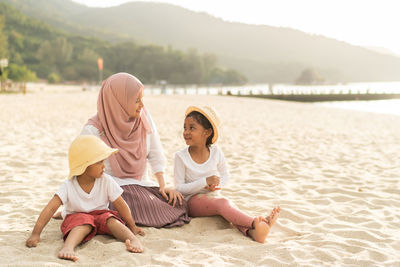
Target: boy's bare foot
[[134, 246], [57, 215], [67, 254]]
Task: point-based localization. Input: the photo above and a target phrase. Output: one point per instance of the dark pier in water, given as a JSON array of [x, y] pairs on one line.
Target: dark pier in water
[[325, 97]]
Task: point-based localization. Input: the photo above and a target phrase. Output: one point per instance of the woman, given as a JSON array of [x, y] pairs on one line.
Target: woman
[[123, 122]]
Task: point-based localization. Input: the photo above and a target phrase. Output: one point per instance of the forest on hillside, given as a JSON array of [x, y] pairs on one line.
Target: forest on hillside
[[264, 54], [36, 50], [171, 43]]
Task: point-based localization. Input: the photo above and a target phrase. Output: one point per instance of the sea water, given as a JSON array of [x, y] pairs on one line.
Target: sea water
[[377, 106]]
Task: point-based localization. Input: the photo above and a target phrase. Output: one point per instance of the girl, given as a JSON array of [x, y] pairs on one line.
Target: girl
[[85, 196], [200, 170]]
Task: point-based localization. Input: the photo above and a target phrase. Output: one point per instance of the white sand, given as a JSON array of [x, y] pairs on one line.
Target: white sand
[[335, 173]]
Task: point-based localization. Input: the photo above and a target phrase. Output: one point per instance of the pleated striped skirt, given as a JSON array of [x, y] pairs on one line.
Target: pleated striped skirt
[[149, 208]]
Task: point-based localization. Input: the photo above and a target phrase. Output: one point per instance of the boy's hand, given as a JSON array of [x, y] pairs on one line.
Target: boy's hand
[[137, 230], [32, 241]]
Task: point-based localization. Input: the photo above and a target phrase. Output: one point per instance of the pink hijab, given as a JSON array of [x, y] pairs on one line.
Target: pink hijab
[[117, 96]]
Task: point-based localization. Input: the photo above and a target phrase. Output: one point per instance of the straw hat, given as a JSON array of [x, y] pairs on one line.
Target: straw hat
[[86, 150], [211, 116]]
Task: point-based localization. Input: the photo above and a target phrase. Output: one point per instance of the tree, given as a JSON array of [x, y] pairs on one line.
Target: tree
[[20, 73], [309, 76], [16, 44], [53, 78], [3, 46], [209, 62], [48, 52], [83, 67], [56, 53], [193, 67], [3, 39]]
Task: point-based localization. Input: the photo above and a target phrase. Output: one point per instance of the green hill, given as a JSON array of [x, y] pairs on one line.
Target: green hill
[[262, 53], [53, 54]]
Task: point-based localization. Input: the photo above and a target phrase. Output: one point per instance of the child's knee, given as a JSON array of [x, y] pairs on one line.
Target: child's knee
[[86, 228], [111, 220], [223, 203]]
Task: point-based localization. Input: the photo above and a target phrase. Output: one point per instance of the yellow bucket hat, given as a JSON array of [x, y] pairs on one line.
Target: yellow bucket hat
[[211, 116], [86, 150]]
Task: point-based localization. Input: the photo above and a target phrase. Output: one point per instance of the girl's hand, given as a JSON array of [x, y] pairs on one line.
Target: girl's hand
[[212, 180], [32, 241], [212, 187], [137, 230]]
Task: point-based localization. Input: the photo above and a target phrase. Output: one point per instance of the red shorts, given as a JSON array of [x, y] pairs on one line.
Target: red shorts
[[97, 219]]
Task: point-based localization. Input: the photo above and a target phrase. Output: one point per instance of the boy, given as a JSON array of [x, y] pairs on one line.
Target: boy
[[86, 196]]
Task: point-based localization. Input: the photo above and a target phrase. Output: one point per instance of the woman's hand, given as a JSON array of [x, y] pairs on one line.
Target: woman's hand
[[163, 192], [171, 195]]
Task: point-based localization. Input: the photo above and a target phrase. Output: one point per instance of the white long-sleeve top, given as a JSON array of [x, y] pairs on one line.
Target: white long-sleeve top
[[190, 177], [155, 156]]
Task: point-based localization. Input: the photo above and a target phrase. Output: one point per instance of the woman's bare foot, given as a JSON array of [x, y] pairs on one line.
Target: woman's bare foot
[[57, 215], [134, 246], [67, 254], [261, 225]]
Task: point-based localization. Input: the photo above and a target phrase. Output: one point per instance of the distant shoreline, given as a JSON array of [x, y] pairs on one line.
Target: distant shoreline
[[325, 97]]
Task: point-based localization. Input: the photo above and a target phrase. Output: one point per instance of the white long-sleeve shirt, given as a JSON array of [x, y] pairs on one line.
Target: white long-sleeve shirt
[[190, 177], [155, 156]]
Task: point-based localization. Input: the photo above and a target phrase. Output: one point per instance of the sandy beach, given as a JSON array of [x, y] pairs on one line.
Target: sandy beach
[[335, 173]]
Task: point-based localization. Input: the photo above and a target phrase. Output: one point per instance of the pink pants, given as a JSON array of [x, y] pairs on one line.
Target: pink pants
[[204, 205]]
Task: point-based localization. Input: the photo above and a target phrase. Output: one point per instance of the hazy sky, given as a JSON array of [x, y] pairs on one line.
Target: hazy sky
[[360, 22]]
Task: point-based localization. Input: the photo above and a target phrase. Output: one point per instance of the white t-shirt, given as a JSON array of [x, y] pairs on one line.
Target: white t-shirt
[[74, 199], [155, 156], [190, 177]]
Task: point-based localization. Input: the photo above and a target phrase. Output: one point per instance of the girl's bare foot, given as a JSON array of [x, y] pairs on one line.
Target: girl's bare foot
[[271, 219], [57, 215], [259, 231], [67, 254], [261, 225], [134, 246]]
